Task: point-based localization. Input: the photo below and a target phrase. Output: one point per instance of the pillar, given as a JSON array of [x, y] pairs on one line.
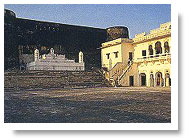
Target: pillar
[[52, 51], [81, 57], [162, 45], [148, 79], [164, 79], [167, 82], [36, 55]]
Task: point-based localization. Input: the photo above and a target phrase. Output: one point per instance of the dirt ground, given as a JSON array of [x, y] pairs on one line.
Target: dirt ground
[[89, 105]]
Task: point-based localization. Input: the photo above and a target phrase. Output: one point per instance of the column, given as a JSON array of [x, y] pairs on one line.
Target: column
[[36, 55], [163, 76], [148, 79], [81, 57]]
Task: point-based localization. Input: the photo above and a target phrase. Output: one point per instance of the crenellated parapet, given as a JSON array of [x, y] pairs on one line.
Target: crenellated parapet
[[164, 30]]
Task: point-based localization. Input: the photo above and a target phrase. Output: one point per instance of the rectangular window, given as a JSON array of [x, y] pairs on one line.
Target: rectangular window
[[144, 53], [108, 55], [116, 54]]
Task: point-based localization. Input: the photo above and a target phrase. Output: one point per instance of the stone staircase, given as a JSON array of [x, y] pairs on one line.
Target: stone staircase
[[127, 68], [54, 79], [117, 73]]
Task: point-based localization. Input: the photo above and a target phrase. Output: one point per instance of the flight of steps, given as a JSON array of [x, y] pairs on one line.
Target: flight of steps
[[53, 79]]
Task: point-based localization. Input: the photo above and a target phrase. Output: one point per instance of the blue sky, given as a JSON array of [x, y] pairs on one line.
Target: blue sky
[[137, 17]]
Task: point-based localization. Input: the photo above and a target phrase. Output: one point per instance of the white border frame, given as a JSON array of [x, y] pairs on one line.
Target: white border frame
[[100, 126]]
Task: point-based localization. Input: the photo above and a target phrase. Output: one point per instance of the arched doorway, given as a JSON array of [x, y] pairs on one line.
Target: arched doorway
[[158, 48], [158, 79], [150, 51], [167, 80], [142, 79], [151, 80]]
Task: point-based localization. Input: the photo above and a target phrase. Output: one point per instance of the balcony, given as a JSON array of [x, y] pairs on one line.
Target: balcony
[[154, 57]]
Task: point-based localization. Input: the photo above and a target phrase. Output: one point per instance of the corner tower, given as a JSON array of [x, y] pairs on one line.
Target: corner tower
[[118, 48], [117, 32]]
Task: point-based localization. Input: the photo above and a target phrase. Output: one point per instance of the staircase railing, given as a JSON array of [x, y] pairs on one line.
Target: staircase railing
[[116, 70], [124, 71]]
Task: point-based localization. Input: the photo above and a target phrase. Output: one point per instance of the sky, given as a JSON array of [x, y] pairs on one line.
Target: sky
[[137, 17]]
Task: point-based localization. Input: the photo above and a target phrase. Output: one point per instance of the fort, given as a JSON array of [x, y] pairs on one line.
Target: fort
[[23, 36], [60, 73], [144, 60]]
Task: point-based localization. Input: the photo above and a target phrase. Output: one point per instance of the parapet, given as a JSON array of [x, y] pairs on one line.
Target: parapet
[[116, 42], [165, 29]]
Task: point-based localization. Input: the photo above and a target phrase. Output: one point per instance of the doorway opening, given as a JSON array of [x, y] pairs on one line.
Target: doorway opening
[[143, 79], [131, 80], [159, 80]]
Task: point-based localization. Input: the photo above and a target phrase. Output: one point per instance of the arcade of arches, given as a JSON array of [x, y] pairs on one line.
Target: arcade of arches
[[154, 69], [158, 79], [158, 48]]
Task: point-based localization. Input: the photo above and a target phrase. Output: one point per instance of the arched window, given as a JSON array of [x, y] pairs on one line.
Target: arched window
[[150, 50], [158, 48], [166, 47]]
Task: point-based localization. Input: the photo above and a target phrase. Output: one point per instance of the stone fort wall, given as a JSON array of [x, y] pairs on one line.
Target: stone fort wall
[[23, 36]]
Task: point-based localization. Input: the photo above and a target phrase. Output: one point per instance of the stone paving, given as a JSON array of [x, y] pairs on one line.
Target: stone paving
[[89, 105]]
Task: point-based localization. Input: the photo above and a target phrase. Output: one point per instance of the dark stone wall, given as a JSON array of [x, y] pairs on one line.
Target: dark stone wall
[[66, 39], [10, 41]]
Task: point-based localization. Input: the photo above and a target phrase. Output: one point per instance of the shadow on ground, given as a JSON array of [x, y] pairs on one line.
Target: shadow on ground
[[113, 107]]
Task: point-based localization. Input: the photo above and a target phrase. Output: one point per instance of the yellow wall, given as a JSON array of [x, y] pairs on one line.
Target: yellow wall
[[132, 72], [126, 48], [152, 65], [122, 46], [109, 63], [141, 65], [163, 66]]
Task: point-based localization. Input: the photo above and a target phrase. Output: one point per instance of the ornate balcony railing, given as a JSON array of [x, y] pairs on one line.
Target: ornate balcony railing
[[154, 57]]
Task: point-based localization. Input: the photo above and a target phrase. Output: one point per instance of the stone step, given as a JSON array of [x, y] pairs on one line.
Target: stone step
[[55, 79], [52, 74]]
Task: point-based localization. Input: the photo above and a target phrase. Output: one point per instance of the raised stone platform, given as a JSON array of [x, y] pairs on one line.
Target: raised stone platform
[[53, 61]]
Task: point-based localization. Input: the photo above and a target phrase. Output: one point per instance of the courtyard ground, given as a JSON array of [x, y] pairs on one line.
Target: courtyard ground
[[88, 105]]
